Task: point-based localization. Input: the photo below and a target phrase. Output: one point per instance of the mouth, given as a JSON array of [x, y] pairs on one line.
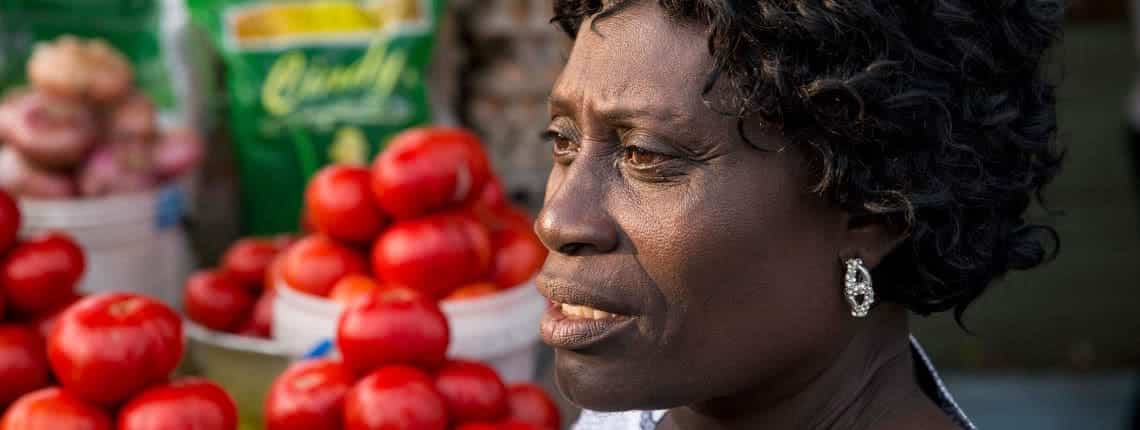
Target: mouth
[[582, 315], [574, 327]]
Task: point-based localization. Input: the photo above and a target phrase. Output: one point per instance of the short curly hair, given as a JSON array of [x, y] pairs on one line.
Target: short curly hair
[[933, 116]]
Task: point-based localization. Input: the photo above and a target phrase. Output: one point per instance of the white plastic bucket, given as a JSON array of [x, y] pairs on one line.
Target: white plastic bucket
[[500, 330], [132, 242]]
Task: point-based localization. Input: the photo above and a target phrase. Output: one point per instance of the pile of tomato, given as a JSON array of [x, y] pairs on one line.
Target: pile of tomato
[[97, 362], [393, 374], [429, 215]]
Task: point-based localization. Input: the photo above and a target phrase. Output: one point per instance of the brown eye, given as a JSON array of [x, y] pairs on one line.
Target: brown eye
[[637, 157]]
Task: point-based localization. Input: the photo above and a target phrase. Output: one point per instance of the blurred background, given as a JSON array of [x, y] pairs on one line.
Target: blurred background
[[1058, 348]]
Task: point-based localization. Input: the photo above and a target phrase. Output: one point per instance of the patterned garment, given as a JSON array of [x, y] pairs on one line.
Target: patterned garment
[[928, 380]]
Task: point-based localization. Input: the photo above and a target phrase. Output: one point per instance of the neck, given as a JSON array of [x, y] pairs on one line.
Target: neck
[[869, 379]]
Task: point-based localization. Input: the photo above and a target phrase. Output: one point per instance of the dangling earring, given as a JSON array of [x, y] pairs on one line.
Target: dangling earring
[[857, 287]]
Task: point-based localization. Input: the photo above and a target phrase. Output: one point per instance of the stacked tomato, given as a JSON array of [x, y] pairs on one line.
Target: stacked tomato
[[237, 297], [429, 215], [393, 374]]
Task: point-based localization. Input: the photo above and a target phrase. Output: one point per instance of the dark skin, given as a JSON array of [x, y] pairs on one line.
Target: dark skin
[[724, 268]]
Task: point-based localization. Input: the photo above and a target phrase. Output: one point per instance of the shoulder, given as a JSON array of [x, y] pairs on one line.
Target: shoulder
[[629, 420]]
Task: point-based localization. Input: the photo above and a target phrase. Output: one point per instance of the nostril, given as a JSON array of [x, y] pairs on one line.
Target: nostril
[[571, 248]]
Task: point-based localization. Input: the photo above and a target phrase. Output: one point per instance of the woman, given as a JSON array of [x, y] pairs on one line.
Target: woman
[[749, 196]]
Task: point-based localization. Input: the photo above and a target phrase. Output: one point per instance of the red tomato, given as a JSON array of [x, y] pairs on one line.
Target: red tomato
[[522, 425], [40, 274], [518, 257], [492, 196], [260, 322], [478, 426], [109, 346], [273, 276], [23, 365], [351, 287], [339, 203], [393, 326], [54, 409], [247, 260], [44, 322], [529, 403], [316, 263], [309, 395], [428, 169], [9, 222], [217, 301], [413, 252], [473, 391], [395, 398], [1, 305], [188, 404], [472, 291]]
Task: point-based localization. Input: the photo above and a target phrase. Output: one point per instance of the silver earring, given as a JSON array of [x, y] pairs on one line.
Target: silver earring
[[857, 287]]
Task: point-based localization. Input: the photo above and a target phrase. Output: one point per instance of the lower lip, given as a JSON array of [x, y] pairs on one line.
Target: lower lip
[[566, 332]]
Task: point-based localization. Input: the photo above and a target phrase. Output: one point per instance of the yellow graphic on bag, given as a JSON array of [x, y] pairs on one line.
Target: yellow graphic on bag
[[319, 20], [349, 147]]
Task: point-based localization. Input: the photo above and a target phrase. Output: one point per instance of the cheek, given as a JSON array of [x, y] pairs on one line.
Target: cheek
[[743, 254]]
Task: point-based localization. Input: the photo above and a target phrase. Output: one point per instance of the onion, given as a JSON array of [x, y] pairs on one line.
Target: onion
[[120, 167], [177, 152], [49, 130], [134, 117], [74, 68], [22, 178]]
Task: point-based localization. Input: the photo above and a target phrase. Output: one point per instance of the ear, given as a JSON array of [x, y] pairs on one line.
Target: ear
[[871, 237]]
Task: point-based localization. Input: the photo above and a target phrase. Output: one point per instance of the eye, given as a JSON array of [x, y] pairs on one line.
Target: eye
[[642, 158], [561, 145]]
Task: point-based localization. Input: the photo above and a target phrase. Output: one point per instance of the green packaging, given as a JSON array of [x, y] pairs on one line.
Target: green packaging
[[315, 82]]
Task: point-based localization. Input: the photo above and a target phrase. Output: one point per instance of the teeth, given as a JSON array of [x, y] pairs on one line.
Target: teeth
[[585, 312]]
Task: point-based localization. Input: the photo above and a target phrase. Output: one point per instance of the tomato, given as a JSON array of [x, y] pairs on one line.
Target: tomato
[[478, 426], [217, 301], [109, 346], [260, 321], [393, 326], [44, 322], [23, 365], [54, 409], [395, 398], [473, 391], [309, 395], [351, 287], [529, 403], [40, 274], [428, 169], [315, 264], [188, 404], [413, 252], [1, 304], [248, 259], [339, 203], [473, 291], [9, 222], [491, 197], [518, 257], [273, 276], [522, 425]]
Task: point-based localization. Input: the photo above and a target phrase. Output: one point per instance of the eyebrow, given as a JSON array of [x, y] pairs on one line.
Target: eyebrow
[[617, 114]]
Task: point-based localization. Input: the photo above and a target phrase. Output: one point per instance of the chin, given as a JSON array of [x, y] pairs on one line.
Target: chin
[[608, 384]]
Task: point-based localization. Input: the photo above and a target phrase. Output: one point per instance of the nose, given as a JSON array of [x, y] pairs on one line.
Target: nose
[[574, 221]]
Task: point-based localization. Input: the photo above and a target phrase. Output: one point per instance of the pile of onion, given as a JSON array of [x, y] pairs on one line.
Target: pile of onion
[[82, 129]]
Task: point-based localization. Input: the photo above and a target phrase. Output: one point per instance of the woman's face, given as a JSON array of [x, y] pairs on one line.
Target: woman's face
[[722, 267]]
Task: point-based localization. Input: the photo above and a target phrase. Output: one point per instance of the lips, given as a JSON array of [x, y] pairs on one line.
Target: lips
[[578, 317]]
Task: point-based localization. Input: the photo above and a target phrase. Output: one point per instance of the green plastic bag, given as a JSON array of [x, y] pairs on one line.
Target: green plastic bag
[[315, 82]]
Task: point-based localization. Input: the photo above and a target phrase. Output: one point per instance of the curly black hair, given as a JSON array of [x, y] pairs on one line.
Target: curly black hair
[[933, 116]]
